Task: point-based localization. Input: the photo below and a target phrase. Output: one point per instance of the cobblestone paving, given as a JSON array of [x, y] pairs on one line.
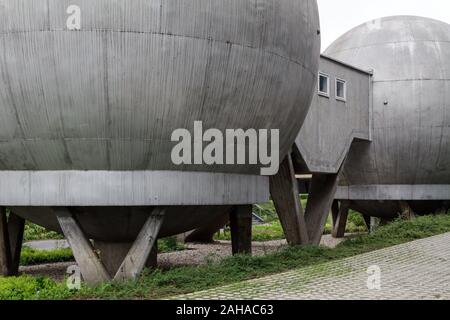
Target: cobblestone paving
[[415, 270]]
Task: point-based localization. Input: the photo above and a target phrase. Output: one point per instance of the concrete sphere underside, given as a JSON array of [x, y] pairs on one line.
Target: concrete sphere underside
[[122, 224], [109, 96], [411, 103]]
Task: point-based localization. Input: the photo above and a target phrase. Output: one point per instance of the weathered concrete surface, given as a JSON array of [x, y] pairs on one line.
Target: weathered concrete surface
[[86, 116], [140, 251], [411, 102], [414, 271], [318, 207], [285, 196], [241, 229], [122, 224], [109, 96], [394, 192], [332, 125], [92, 269], [129, 188], [340, 212]]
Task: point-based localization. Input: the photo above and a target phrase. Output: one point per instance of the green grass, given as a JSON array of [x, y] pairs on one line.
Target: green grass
[[179, 280], [267, 232], [32, 288], [32, 257], [170, 244]]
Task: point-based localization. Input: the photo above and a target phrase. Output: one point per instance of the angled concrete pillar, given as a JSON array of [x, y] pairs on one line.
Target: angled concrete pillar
[[340, 216], [321, 197], [286, 198], [241, 229], [140, 251], [118, 261], [11, 238], [92, 269]]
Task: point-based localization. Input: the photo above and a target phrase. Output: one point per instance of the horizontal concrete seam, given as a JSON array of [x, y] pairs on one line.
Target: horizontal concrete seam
[[412, 127], [385, 43], [169, 35], [412, 79]]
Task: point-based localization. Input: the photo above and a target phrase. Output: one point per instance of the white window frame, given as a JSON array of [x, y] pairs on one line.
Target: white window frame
[[321, 93], [344, 99]]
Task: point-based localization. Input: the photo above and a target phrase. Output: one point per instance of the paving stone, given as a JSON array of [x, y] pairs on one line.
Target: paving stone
[[411, 271]]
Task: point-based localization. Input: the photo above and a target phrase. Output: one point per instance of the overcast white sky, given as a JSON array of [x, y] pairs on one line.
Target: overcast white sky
[[337, 17]]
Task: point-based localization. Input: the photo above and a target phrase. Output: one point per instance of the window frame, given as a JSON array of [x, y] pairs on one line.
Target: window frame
[[343, 99], [322, 93]]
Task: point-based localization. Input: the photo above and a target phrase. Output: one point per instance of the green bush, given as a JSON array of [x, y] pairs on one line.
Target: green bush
[[31, 288], [170, 244], [34, 232]]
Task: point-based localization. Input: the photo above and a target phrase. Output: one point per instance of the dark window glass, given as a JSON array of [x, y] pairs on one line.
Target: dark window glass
[[340, 89], [323, 84]]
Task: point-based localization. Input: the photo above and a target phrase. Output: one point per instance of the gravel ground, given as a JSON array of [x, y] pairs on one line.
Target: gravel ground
[[195, 254]]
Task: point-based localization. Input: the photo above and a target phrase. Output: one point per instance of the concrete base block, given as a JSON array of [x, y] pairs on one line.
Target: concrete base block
[[112, 255]]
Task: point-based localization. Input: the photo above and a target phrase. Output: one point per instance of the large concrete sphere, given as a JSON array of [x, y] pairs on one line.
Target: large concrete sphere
[[410, 57], [109, 96]]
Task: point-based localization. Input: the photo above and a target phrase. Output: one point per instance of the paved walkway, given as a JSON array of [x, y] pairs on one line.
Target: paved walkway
[[416, 270]]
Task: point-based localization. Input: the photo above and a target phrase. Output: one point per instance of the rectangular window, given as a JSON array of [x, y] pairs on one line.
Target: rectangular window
[[341, 90], [324, 85]]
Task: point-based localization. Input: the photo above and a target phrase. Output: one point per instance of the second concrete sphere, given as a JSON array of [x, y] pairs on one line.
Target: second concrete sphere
[[411, 101]]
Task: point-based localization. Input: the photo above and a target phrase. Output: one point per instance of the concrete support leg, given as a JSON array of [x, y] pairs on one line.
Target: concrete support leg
[[137, 257], [340, 217], [241, 229], [92, 269], [5, 251], [406, 212], [320, 200], [11, 237], [335, 211], [286, 198], [124, 260]]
